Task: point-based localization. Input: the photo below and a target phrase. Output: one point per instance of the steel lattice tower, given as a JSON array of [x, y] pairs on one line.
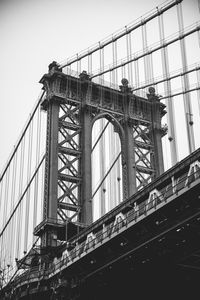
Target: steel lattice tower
[[73, 105]]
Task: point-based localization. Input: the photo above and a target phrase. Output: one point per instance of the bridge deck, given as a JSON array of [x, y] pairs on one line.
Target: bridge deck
[[157, 226]]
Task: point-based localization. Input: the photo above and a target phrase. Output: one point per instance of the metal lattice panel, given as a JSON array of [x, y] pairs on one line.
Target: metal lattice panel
[[69, 155], [145, 169]]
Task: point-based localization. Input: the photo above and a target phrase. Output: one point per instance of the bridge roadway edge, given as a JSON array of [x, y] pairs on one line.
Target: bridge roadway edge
[[117, 252]]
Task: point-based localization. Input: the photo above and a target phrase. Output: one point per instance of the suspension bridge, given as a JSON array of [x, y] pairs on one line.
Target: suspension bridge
[[102, 186]]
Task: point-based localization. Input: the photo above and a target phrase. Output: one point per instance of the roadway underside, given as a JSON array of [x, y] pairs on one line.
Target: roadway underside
[[158, 258], [156, 281]]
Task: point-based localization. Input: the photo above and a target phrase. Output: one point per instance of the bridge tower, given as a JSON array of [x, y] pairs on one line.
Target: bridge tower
[[73, 104]]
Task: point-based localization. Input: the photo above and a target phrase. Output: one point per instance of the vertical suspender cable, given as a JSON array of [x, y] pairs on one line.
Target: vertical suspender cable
[[129, 51], [102, 203], [113, 186], [115, 147], [148, 66], [198, 72], [42, 191], [185, 82], [198, 37], [167, 90], [13, 221], [118, 149], [27, 223], [5, 205], [119, 170], [1, 194], [115, 71], [78, 66], [198, 90], [6, 195], [116, 55], [90, 64], [89, 97], [1, 223], [5, 211], [114, 62], [111, 194], [37, 175], [146, 77], [19, 215], [123, 71], [137, 78]]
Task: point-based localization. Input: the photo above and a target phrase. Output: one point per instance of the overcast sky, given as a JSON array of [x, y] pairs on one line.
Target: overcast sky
[[33, 33]]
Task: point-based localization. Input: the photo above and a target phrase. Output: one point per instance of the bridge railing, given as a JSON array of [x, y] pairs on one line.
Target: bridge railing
[[154, 201]]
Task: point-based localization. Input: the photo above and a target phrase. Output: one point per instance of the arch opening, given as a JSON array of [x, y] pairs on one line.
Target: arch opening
[[106, 166]]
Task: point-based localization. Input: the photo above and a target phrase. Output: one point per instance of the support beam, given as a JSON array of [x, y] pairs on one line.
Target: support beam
[[86, 144]]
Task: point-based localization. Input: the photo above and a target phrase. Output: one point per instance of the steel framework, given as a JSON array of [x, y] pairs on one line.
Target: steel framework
[[73, 105]]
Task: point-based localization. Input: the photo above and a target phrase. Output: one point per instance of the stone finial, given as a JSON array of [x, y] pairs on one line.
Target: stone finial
[[84, 76], [151, 90], [54, 66], [124, 87], [124, 82]]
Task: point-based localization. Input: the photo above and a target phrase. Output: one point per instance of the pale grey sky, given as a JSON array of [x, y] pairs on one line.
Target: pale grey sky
[[35, 32]]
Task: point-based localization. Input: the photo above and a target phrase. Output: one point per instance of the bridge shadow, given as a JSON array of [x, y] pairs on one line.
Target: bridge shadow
[[156, 281]]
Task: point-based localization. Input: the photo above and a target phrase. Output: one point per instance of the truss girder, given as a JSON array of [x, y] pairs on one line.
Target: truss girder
[[144, 150], [69, 156]]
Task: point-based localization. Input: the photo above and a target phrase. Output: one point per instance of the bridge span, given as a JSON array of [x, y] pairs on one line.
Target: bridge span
[[156, 229]]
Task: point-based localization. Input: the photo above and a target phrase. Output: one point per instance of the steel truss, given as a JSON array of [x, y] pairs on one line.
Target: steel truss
[[145, 168], [69, 155], [73, 105]]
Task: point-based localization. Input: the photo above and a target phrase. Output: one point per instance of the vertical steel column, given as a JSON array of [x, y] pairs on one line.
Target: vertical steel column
[[52, 105], [186, 96], [129, 161], [49, 237], [167, 90], [53, 159], [156, 133], [128, 155], [86, 168]]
